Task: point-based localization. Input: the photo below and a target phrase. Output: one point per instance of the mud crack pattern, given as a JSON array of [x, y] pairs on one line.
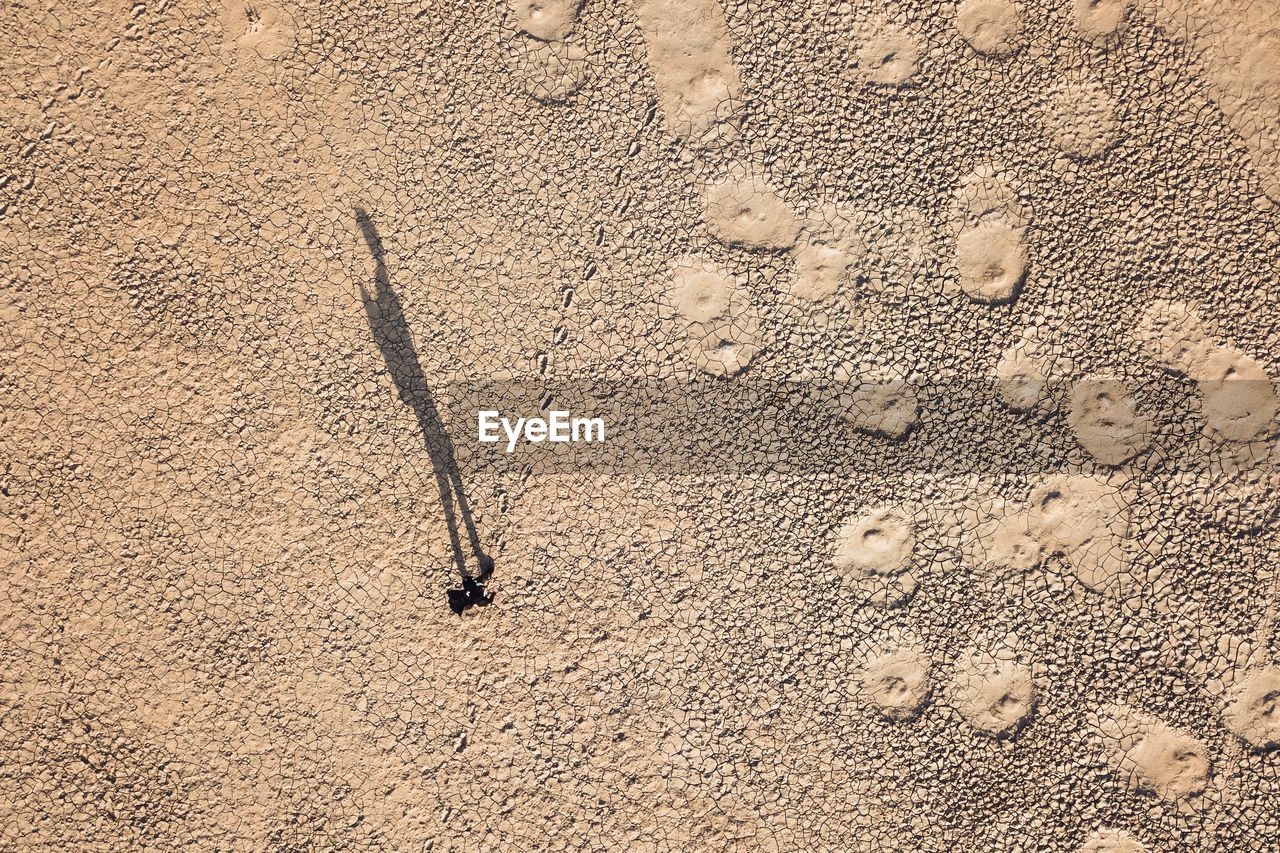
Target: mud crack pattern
[[242, 532]]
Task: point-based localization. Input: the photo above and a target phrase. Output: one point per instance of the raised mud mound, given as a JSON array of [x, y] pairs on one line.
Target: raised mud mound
[[935, 348]]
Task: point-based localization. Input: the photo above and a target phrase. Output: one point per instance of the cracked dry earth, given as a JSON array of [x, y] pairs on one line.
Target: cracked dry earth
[[1021, 593]]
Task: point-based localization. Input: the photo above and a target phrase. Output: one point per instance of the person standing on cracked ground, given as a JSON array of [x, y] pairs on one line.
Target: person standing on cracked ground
[[395, 342], [472, 593]]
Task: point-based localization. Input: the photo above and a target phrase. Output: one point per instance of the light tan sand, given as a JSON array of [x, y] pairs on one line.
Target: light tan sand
[[952, 328]]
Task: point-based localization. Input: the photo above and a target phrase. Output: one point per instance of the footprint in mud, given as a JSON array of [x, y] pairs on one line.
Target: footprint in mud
[[256, 27]]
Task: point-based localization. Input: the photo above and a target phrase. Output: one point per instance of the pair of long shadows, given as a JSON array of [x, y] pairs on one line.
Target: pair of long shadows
[[387, 323]]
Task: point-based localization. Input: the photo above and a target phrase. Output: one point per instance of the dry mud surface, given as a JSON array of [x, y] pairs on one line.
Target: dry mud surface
[[937, 343]]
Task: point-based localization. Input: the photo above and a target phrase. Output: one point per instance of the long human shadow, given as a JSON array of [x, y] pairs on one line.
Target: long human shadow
[[391, 332]]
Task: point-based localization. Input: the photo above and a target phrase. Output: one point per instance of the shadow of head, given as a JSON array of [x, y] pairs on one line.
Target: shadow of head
[[373, 241]]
